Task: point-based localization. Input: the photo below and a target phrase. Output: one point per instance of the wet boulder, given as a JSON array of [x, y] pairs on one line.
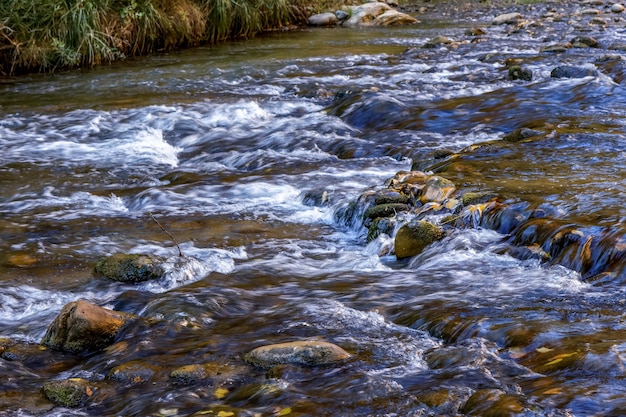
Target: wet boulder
[[318, 197], [521, 134], [323, 19], [495, 402], [415, 236], [70, 393], [301, 352], [130, 267], [556, 48], [584, 42], [506, 19], [471, 198], [438, 41], [377, 14], [385, 210], [567, 71], [381, 226], [389, 196], [437, 190], [517, 72], [83, 327], [212, 372], [132, 373], [617, 8]]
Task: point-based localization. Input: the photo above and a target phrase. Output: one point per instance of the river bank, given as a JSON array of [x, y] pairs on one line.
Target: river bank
[[47, 36]]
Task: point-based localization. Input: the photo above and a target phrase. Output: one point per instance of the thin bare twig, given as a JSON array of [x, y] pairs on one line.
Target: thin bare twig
[[180, 252]]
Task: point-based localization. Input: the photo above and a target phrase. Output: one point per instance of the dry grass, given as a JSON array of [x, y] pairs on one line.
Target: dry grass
[[47, 35]]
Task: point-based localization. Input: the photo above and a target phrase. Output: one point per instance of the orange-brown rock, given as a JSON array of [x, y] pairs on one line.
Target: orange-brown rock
[[83, 327]]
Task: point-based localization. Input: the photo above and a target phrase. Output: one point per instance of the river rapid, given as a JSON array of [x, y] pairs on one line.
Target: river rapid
[[250, 154]]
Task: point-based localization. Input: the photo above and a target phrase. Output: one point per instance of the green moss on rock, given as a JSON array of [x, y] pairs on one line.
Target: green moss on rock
[[70, 393], [413, 237], [385, 210], [130, 267]]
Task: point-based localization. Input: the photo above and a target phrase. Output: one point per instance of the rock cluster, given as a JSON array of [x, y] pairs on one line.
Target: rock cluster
[[368, 14]]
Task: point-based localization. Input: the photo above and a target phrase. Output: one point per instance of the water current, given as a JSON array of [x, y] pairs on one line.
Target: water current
[[223, 145]]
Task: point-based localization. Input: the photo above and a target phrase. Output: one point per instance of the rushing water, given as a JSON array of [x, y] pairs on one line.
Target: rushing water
[[222, 144]]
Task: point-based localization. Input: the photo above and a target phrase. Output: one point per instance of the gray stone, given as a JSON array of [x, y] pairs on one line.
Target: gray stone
[[323, 19], [301, 352], [377, 14], [507, 18]]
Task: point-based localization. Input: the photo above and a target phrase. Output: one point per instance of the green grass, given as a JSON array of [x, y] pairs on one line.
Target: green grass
[[48, 35]]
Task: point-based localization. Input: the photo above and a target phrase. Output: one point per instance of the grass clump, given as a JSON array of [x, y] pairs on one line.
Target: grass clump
[[47, 35]]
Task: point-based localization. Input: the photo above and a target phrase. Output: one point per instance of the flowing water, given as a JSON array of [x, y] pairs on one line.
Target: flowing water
[[228, 147]]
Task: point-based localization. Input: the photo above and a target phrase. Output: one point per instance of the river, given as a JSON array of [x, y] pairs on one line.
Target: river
[[225, 144]]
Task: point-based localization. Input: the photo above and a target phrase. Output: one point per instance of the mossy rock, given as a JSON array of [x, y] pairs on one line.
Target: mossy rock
[[472, 198], [385, 210], [302, 352], [130, 267], [521, 134], [517, 72], [259, 392], [380, 226], [434, 398], [414, 237], [389, 196], [207, 372], [70, 393], [437, 189], [132, 373]]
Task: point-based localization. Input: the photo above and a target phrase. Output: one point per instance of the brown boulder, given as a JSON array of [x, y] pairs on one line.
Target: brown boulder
[[83, 327]]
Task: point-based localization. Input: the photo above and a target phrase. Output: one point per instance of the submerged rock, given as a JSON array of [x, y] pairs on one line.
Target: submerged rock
[[517, 72], [566, 71], [70, 393], [413, 237], [302, 352], [130, 267], [83, 327], [216, 373], [494, 402], [132, 373]]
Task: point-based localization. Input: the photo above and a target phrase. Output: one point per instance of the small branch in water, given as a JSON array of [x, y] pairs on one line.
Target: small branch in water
[[180, 252]]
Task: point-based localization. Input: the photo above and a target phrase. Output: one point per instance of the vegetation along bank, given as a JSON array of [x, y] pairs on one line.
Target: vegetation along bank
[[48, 35]]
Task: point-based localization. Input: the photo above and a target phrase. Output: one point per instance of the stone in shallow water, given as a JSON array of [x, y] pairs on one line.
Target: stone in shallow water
[[301, 352], [70, 393], [617, 8], [507, 18], [130, 267], [413, 237], [566, 71], [132, 373], [323, 19], [83, 327]]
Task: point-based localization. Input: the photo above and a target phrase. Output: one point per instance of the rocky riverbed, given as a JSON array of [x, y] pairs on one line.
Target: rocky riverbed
[[422, 220]]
